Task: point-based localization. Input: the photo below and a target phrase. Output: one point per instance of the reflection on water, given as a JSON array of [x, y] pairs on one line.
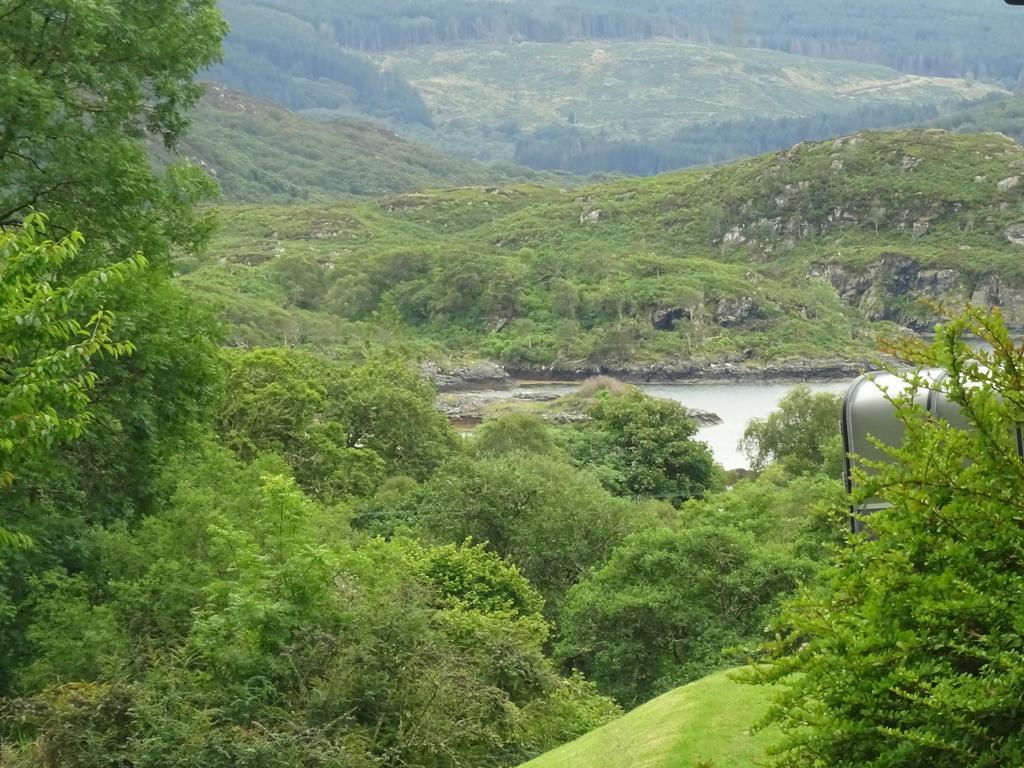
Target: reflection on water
[[736, 404]]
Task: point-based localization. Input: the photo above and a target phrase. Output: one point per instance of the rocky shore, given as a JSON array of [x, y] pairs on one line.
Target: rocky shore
[[493, 376], [470, 408]]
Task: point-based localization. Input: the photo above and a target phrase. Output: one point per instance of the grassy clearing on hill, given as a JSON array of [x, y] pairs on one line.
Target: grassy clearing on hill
[[706, 723]]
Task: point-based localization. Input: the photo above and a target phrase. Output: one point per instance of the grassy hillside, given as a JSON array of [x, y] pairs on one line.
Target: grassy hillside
[[488, 96], [806, 253], [703, 724], [259, 151]]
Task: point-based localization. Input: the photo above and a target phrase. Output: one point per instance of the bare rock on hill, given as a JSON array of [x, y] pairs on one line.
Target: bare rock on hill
[[466, 375], [735, 311], [1015, 233], [1005, 185]]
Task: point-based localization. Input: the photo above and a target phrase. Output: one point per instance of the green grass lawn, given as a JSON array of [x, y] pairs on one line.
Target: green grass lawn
[[706, 723]]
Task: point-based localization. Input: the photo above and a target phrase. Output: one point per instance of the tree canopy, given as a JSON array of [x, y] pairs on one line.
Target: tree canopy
[[800, 434], [83, 83], [83, 86]]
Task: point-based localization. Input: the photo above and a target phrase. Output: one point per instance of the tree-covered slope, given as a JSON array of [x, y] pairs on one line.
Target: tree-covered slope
[[1005, 115], [928, 37], [492, 98], [259, 151], [806, 253], [592, 85], [704, 723]]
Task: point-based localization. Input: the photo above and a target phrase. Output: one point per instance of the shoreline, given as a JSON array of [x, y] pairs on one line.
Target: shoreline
[[490, 375]]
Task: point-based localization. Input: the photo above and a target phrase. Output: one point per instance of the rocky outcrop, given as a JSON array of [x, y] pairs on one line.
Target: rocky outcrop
[[466, 376], [1015, 233], [891, 289], [993, 292], [736, 311], [1005, 185], [469, 408]]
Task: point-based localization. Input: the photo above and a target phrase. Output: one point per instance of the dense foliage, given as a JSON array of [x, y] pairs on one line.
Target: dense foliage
[[51, 328], [240, 626], [83, 83], [643, 448], [280, 553], [910, 652], [1001, 115], [667, 603], [540, 513]]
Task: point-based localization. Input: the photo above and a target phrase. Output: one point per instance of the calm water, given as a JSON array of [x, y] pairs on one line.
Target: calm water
[[736, 404]]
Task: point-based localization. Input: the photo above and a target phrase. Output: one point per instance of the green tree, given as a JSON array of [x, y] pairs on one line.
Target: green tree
[[291, 403], [240, 627], [53, 331], [389, 407], [83, 82], [647, 447], [802, 434], [84, 85], [911, 652], [667, 604], [511, 432], [545, 516], [52, 326], [341, 428]]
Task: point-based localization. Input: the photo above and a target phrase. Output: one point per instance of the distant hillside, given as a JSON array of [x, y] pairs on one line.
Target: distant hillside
[[706, 723], [497, 100], [925, 37], [259, 151], [800, 255], [1004, 116], [602, 86]]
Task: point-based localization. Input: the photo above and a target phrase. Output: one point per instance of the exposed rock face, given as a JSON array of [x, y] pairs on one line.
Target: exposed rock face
[[735, 311], [484, 372], [590, 217], [910, 162], [1015, 233], [883, 290], [704, 370], [1005, 185]]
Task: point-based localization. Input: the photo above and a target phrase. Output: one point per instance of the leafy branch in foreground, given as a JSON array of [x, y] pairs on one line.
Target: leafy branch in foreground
[[51, 329], [912, 651]]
